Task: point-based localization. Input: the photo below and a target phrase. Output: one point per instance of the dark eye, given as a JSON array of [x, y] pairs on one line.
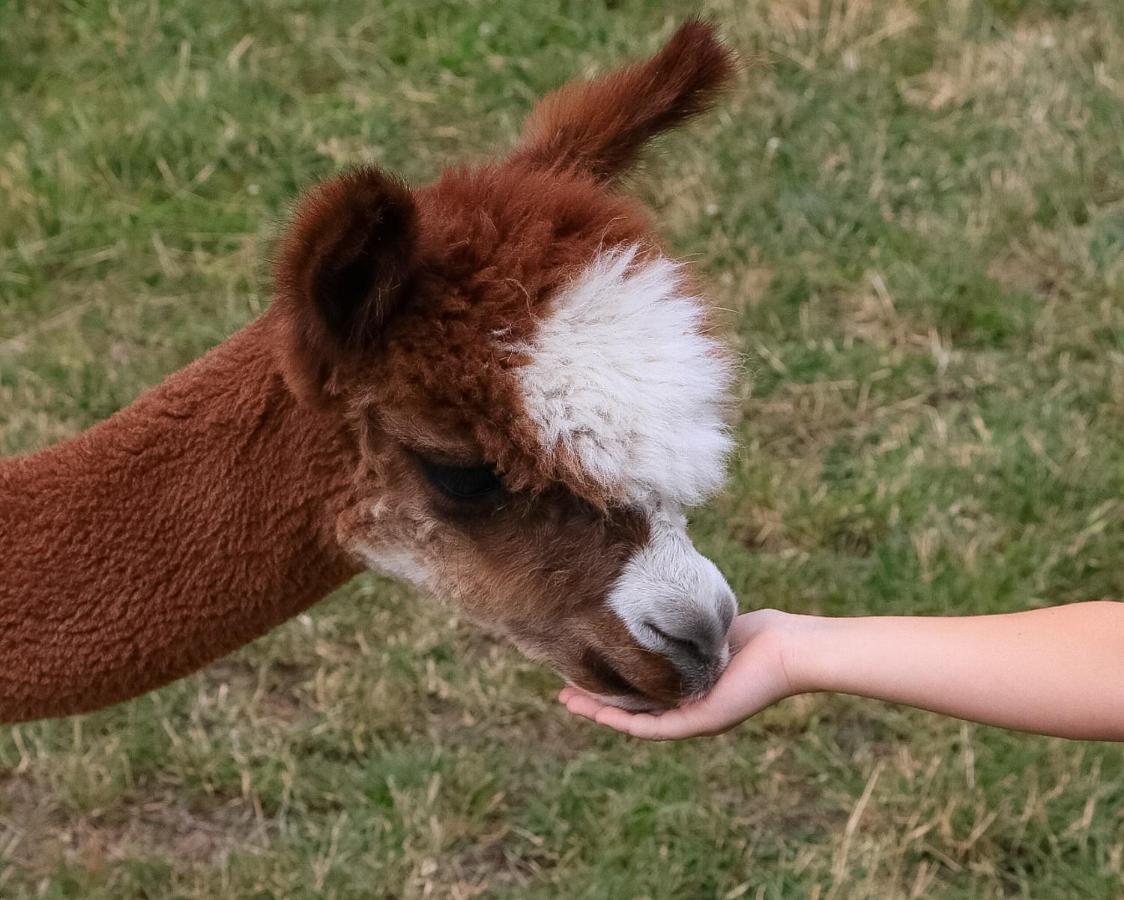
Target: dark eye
[[461, 482]]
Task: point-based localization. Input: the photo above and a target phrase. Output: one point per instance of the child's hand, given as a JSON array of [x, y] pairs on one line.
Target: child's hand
[[1056, 671], [758, 676]]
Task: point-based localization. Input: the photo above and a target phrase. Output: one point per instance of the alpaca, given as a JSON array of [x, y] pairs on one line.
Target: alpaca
[[496, 387]]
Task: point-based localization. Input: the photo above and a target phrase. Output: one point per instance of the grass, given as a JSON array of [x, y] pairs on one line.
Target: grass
[[915, 211]]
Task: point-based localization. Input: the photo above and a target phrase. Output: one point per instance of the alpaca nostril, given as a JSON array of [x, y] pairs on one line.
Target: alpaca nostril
[[687, 646], [693, 637]]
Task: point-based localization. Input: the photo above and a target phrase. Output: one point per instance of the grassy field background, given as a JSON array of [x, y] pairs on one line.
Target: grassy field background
[[915, 211]]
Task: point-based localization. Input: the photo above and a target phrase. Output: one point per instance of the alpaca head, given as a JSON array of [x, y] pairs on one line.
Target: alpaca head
[[532, 384]]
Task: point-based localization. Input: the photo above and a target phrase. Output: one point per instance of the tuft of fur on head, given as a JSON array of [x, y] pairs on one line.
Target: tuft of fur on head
[[601, 126], [623, 382]]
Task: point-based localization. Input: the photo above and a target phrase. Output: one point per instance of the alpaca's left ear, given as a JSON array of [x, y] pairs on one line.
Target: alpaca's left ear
[[343, 269]]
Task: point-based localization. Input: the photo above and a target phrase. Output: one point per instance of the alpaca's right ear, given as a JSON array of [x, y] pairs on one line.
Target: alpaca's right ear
[[343, 268], [600, 127]]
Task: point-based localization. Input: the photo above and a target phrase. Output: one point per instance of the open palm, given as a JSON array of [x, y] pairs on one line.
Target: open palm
[[756, 678]]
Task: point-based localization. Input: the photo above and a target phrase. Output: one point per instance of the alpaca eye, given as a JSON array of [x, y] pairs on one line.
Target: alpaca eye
[[461, 482]]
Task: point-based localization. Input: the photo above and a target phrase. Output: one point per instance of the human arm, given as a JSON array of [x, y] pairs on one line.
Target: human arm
[[1056, 671]]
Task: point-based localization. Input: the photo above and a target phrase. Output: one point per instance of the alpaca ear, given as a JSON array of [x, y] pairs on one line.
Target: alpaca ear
[[343, 269], [601, 126]]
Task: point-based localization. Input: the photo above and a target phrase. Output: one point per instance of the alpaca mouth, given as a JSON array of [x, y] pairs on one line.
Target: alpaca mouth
[[635, 704], [618, 690], [631, 702]]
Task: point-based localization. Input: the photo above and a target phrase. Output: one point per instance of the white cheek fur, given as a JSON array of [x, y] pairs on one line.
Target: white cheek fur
[[401, 563], [622, 377]]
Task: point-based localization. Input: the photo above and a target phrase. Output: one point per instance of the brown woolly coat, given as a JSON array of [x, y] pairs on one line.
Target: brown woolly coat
[[184, 526]]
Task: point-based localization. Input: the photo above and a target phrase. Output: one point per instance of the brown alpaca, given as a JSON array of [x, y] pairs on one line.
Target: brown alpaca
[[495, 386]]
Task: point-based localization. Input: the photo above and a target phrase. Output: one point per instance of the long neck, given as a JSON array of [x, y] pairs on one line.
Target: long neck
[[174, 532]]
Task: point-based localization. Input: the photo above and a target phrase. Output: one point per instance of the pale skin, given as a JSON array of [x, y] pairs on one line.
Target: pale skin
[[1057, 671]]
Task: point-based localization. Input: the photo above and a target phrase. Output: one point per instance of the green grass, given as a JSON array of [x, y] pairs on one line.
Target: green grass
[[915, 212]]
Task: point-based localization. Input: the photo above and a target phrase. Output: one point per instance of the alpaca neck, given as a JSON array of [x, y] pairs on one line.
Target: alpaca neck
[[186, 525]]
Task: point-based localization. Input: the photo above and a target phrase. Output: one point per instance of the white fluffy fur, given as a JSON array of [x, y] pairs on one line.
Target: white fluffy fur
[[401, 563], [622, 376]]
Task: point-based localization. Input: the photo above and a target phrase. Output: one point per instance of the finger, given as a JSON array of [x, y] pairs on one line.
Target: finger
[[641, 725], [667, 726], [566, 692], [647, 726], [583, 705], [687, 721], [570, 693]]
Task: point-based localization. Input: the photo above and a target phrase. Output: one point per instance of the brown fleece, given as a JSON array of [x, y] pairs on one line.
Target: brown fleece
[[191, 522], [600, 127]]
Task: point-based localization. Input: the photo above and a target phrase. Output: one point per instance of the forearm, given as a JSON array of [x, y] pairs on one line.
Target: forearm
[[1056, 671]]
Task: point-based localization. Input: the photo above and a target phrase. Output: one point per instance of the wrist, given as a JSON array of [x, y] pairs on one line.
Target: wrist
[[805, 647]]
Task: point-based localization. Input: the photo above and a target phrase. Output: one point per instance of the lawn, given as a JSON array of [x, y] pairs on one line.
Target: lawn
[[914, 212]]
